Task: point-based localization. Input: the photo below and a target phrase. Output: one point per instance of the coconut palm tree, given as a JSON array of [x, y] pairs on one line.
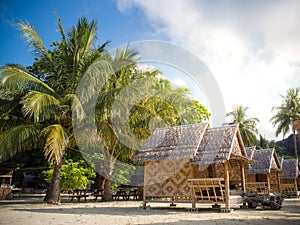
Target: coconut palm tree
[[247, 125], [158, 105], [287, 113], [44, 107]]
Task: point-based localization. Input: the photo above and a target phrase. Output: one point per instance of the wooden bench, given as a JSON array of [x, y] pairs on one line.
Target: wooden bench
[[97, 193], [207, 190], [121, 193], [134, 194], [78, 193]]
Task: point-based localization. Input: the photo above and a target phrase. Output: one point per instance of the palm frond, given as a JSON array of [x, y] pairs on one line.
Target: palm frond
[[60, 27], [76, 106], [95, 76], [106, 133], [34, 40], [56, 142], [88, 36], [15, 77], [101, 49], [40, 106], [17, 139]]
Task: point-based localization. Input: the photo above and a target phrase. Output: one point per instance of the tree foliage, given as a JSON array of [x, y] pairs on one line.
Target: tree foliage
[[287, 113], [73, 175], [247, 125]]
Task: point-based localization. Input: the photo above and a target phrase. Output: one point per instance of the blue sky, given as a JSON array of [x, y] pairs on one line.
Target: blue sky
[[251, 47], [113, 25]]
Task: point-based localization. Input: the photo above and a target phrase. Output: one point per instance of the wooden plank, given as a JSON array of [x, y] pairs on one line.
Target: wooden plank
[[205, 179]]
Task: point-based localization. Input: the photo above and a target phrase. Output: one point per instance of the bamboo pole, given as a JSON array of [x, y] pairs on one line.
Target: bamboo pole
[[242, 167], [226, 178], [268, 183], [193, 188]]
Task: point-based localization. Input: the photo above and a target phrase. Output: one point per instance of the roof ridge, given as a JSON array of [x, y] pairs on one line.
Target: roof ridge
[[184, 125]]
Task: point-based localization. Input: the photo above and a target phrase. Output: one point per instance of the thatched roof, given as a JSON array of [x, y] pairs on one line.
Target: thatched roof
[[218, 144], [263, 161], [198, 142], [179, 142], [250, 151], [290, 169]]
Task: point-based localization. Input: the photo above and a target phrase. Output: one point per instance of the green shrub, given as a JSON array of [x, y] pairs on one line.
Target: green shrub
[[73, 175]]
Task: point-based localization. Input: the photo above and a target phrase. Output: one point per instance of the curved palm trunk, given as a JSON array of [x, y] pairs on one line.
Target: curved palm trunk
[[53, 192]]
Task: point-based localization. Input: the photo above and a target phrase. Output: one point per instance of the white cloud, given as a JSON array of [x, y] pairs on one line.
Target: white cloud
[[179, 82], [251, 47]]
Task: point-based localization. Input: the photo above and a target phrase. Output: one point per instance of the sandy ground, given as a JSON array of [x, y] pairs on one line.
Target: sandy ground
[[33, 211]]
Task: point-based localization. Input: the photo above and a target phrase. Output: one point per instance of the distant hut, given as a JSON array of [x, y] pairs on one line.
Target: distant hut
[[193, 163], [288, 181], [6, 175], [263, 175]]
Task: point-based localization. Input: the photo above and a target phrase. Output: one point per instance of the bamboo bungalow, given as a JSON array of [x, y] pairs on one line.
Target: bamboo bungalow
[[263, 175], [288, 181], [193, 163]]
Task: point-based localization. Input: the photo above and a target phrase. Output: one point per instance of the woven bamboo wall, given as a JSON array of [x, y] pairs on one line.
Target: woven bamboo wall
[[274, 182], [202, 174], [286, 181], [250, 178], [234, 172], [167, 178], [236, 148], [219, 170]]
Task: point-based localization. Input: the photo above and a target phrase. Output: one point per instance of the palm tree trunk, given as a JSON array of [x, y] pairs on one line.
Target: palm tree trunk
[[99, 181], [295, 143], [53, 192], [107, 194], [108, 167]]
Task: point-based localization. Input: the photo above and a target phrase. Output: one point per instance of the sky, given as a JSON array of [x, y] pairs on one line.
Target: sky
[[252, 48]]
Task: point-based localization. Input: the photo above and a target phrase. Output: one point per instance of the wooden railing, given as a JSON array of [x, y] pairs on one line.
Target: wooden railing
[[288, 189], [207, 189], [256, 188]]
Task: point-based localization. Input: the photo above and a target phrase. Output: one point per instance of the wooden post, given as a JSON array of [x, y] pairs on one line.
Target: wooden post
[[192, 191], [268, 183], [278, 181], [243, 176], [296, 187], [144, 187], [227, 190], [193, 198]]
